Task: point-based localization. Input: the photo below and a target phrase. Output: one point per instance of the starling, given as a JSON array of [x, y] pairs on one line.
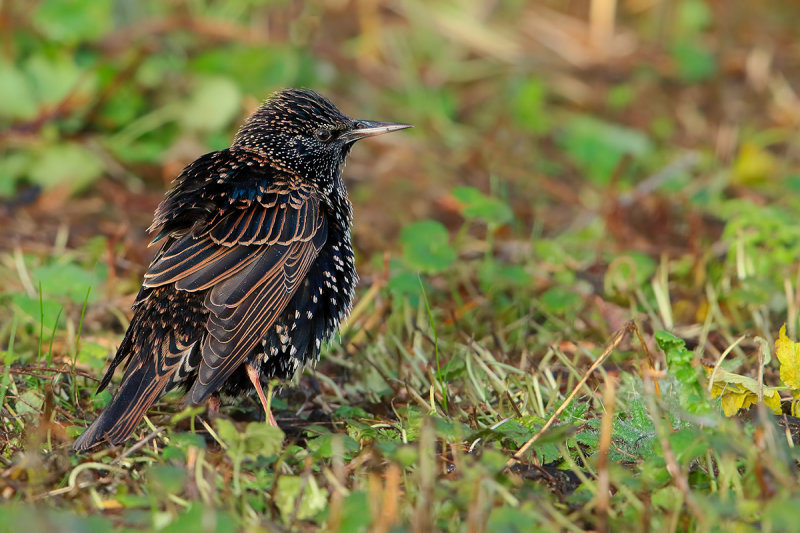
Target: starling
[[256, 268]]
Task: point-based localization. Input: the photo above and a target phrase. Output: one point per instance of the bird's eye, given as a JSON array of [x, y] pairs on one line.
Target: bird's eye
[[323, 135]]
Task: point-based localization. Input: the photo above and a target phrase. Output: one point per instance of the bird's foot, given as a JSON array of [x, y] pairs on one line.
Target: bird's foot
[[252, 373]]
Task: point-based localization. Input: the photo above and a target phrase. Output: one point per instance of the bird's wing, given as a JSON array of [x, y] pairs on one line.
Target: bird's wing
[[251, 258]]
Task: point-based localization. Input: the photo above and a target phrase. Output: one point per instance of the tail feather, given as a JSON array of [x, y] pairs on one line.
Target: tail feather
[[138, 391]]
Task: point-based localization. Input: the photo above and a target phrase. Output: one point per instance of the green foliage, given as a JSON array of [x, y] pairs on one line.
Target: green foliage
[[693, 17], [760, 239], [257, 440], [136, 106], [529, 105], [165, 479], [695, 63], [476, 205], [16, 517], [512, 520], [628, 272], [597, 147], [426, 246], [353, 516], [680, 363], [559, 300], [68, 164], [214, 102], [323, 446], [69, 280], [300, 498], [42, 312], [70, 21], [200, 519]]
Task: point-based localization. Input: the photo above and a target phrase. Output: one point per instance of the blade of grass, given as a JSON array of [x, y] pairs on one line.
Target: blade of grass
[[439, 377]]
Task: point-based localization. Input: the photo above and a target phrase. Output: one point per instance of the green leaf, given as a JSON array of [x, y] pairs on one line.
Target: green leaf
[[202, 518], [695, 63], [185, 440], [68, 280], [475, 204], [70, 165], [253, 68], [494, 274], [514, 520], [54, 77], [426, 246], [628, 272], [72, 21], [667, 498], [405, 284], [262, 439], [322, 446], [166, 479], [29, 403], [559, 300], [351, 411], [314, 497], [406, 455], [528, 105], [43, 313], [597, 147], [258, 439], [688, 444], [693, 16], [93, 354], [354, 516], [620, 96], [212, 105], [227, 431], [677, 355], [17, 100], [14, 165], [100, 400], [15, 517], [754, 164], [691, 394]]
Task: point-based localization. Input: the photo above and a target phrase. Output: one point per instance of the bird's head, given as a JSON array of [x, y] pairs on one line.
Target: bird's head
[[302, 132]]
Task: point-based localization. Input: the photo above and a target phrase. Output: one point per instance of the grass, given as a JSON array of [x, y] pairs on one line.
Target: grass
[[575, 268]]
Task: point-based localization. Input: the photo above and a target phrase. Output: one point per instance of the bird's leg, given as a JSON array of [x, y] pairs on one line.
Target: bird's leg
[[213, 405], [252, 373]]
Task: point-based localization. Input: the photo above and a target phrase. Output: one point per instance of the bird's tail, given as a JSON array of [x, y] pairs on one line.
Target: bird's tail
[[140, 388]]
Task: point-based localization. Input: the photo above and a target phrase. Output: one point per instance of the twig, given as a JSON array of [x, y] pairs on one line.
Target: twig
[[602, 15], [650, 359], [27, 369], [140, 444], [721, 359], [603, 481], [615, 341]]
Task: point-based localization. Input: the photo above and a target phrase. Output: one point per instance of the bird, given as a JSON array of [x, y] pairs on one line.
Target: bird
[[255, 270]]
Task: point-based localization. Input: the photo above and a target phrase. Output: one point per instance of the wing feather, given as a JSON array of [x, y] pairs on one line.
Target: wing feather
[[240, 321], [251, 259]]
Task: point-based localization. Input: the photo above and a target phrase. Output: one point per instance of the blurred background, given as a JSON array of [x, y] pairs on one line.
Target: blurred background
[[575, 164], [577, 144]]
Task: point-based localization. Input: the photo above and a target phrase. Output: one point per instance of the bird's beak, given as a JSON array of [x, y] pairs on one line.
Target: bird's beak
[[370, 128]]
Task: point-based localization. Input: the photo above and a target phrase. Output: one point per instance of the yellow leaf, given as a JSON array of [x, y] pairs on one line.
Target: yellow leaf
[[754, 164], [111, 505], [773, 401], [740, 392], [733, 400], [788, 353]]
